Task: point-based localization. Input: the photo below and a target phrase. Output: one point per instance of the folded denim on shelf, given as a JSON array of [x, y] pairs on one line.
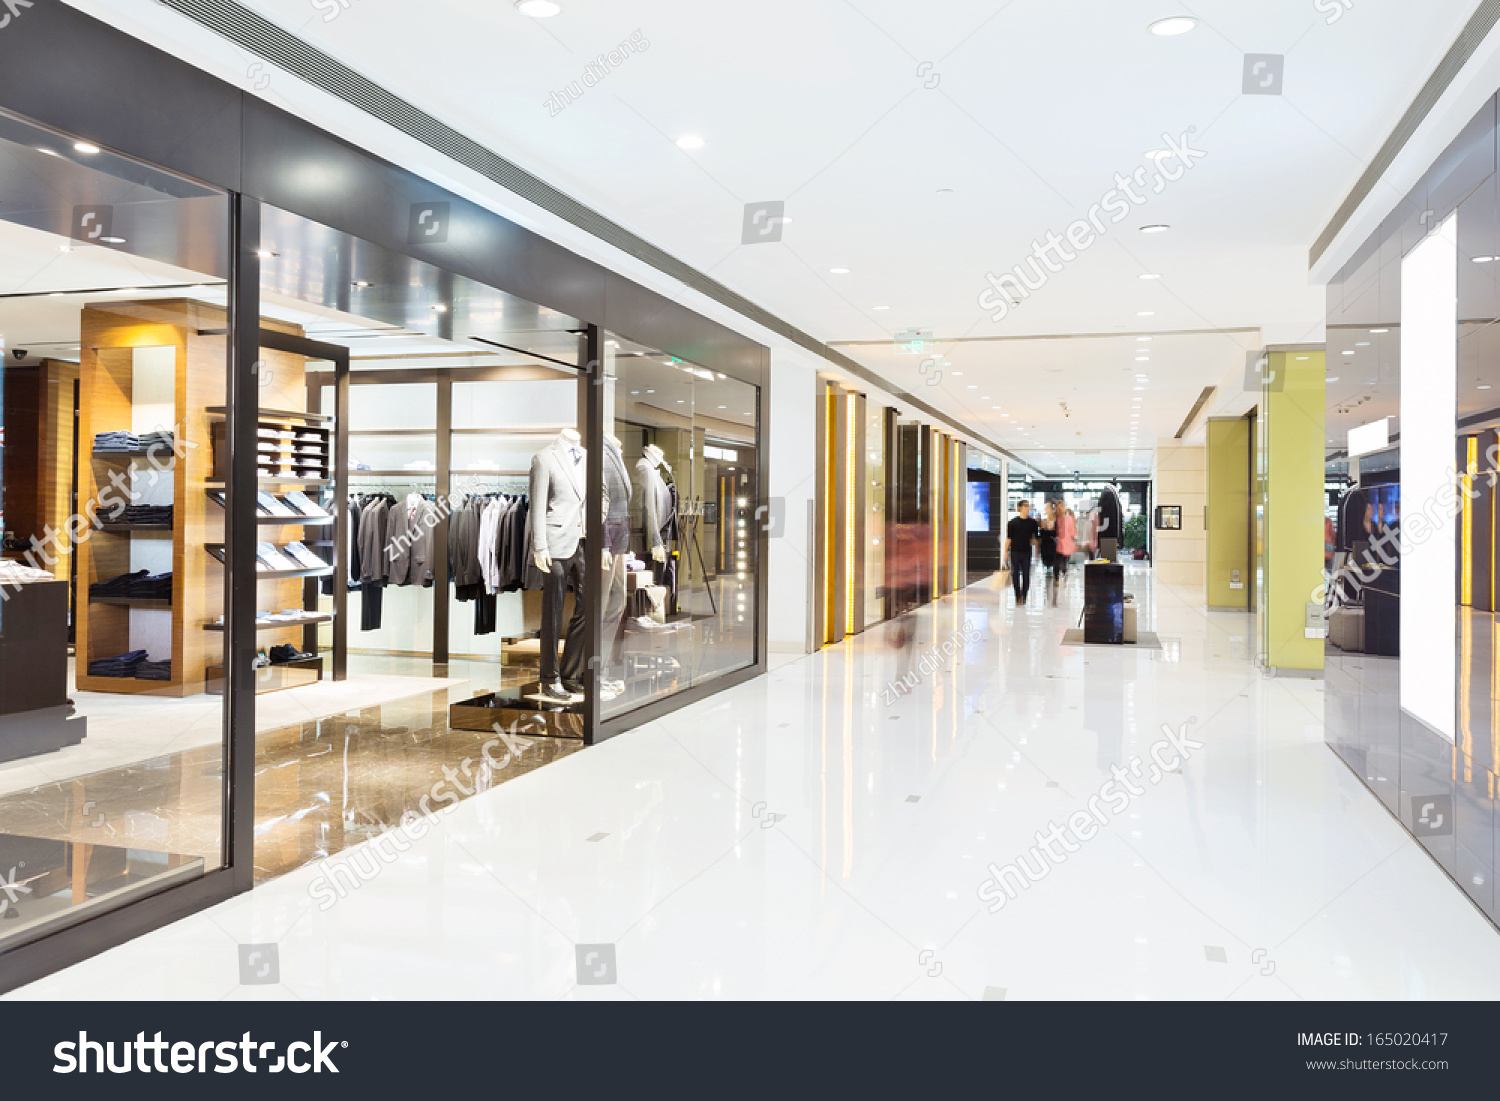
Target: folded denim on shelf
[[154, 670], [140, 514], [122, 665], [158, 587], [117, 586]]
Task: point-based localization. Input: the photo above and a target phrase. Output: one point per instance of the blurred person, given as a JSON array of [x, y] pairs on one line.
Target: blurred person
[[1020, 535], [1047, 538], [908, 565], [1067, 543]]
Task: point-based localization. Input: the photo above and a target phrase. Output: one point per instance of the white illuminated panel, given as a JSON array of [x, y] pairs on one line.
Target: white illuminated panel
[[1375, 436], [1429, 403]]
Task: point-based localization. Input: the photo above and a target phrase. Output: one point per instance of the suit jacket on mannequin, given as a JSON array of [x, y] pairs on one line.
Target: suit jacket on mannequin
[[617, 500], [557, 494], [656, 502]]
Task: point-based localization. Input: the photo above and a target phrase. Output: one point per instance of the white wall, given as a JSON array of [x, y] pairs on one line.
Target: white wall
[[791, 424]]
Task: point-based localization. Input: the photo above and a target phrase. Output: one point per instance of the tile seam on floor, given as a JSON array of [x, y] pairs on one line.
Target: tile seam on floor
[[714, 863]]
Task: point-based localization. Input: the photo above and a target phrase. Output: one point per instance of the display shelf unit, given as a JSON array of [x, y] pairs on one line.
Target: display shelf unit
[[266, 625], [144, 366], [287, 354]]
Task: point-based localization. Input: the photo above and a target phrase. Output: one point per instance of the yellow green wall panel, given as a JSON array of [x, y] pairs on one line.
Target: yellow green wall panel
[[1294, 464], [1228, 513]]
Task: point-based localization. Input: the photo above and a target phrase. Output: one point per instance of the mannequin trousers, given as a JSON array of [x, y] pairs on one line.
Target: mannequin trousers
[[613, 638], [565, 575]]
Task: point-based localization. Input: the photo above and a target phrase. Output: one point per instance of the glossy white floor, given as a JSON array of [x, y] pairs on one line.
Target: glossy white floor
[[802, 837]]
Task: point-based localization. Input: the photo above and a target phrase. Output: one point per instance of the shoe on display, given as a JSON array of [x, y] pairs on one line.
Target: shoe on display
[[574, 686], [555, 691]]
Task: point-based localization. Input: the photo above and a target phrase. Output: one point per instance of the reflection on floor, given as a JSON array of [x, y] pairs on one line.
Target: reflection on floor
[[322, 784], [808, 835]]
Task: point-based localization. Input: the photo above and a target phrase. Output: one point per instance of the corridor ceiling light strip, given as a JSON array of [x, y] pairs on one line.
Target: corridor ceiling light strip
[[253, 32]]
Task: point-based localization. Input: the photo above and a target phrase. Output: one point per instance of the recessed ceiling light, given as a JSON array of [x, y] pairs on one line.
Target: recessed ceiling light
[[973, 386], [1379, 330], [945, 191], [1485, 386], [994, 407], [1146, 313], [1347, 352], [1361, 343], [265, 254], [838, 271], [56, 294], [88, 149], [1485, 259], [361, 283], [634, 392], [1300, 358], [1331, 378], [879, 307], [1155, 229], [1143, 338], [112, 240], [49, 152], [956, 373], [1172, 26], [1143, 359], [721, 407], [539, 9], [1149, 275], [440, 308], [690, 141]]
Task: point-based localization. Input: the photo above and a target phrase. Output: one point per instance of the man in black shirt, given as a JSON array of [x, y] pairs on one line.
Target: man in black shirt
[[1020, 534]]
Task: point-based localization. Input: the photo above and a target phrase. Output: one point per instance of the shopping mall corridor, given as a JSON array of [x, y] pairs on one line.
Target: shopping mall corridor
[[818, 833]]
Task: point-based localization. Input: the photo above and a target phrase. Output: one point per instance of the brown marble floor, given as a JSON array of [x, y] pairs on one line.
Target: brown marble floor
[[321, 786]]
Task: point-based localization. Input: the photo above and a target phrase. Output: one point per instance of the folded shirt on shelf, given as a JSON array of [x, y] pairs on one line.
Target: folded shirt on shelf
[[269, 558], [116, 441], [270, 505], [304, 504], [13, 573], [305, 558]]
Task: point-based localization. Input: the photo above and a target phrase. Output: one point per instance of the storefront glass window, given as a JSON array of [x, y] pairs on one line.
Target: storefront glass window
[[680, 529], [112, 648]]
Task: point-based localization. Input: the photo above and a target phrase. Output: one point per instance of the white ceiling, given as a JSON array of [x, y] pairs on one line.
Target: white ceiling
[[857, 113]]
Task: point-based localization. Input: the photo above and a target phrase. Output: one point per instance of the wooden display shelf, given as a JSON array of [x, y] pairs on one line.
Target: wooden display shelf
[[277, 625], [316, 420], [283, 521], [126, 529], [218, 552], [132, 601], [269, 480]]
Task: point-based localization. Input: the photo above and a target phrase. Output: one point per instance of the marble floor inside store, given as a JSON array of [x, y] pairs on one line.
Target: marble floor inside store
[[336, 764], [828, 830]]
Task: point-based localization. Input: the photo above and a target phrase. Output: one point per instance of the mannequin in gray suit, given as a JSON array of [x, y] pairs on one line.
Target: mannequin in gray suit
[[558, 489]]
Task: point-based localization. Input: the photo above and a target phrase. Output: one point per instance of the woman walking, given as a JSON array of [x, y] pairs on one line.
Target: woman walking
[[1067, 543]]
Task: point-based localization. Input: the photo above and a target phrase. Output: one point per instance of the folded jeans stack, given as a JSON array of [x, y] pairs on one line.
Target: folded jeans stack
[[106, 442], [141, 514], [157, 441], [154, 670], [123, 665], [151, 587], [117, 586]]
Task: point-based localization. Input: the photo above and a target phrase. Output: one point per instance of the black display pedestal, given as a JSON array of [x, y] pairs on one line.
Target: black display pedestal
[[34, 672], [1104, 603], [1383, 613]]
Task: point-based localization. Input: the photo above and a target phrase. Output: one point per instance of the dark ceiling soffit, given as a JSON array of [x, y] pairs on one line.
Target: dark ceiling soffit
[[1208, 392], [252, 32], [1458, 55]]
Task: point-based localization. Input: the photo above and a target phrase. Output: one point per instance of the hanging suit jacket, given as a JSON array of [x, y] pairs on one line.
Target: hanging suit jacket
[[410, 542], [557, 495], [373, 522]]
